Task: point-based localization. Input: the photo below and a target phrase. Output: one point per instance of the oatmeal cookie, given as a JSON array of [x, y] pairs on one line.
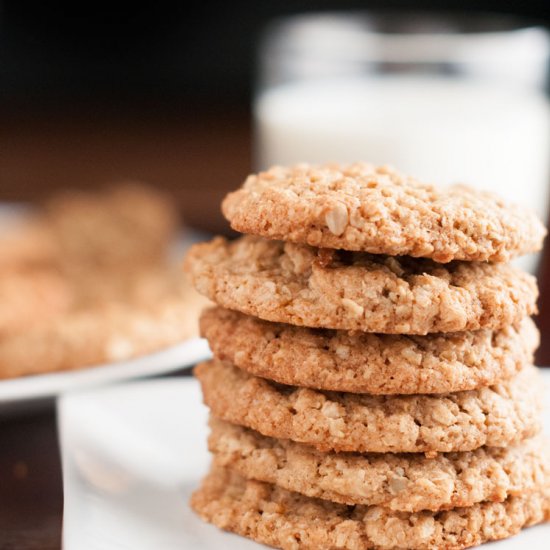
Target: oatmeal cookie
[[405, 482], [127, 223], [271, 515], [301, 285], [30, 296], [376, 209], [115, 319], [498, 415], [362, 362]]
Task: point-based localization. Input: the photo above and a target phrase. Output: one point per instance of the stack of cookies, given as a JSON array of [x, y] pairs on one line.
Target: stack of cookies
[[372, 383]]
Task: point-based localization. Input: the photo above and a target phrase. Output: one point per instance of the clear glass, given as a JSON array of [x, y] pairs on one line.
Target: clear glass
[[444, 98]]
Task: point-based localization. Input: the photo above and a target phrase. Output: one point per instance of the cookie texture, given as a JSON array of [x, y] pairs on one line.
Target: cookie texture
[[301, 285], [401, 482], [376, 209], [31, 296], [279, 518], [26, 242], [127, 223], [369, 363], [497, 416]]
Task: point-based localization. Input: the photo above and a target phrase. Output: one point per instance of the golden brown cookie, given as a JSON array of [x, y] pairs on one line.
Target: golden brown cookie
[[155, 311], [401, 482], [362, 362], [301, 285], [498, 416], [129, 223], [279, 518], [376, 209], [88, 280], [29, 297], [26, 242]]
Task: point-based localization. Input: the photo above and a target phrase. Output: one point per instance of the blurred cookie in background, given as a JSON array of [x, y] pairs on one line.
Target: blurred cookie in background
[[107, 332], [125, 223], [26, 241], [30, 297], [88, 279]]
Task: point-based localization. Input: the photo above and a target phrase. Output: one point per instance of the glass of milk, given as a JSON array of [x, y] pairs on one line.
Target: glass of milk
[[446, 99]]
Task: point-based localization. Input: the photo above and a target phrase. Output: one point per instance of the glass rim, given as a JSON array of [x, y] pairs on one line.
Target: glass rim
[[420, 21], [400, 35]]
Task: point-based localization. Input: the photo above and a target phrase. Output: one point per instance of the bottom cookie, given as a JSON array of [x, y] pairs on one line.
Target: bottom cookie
[[277, 517]]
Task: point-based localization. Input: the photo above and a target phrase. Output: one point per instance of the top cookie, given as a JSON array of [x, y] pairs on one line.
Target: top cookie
[[362, 207]]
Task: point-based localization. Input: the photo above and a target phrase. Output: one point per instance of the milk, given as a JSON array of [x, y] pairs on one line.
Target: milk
[[441, 130]]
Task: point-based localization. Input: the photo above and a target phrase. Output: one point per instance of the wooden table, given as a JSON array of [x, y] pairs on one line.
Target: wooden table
[[31, 499]]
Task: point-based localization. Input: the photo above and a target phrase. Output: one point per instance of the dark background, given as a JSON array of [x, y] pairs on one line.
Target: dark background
[[187, 53], [92, 92]]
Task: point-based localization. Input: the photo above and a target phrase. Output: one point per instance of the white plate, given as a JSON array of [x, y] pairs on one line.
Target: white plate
[[19, 393], [131, 456]]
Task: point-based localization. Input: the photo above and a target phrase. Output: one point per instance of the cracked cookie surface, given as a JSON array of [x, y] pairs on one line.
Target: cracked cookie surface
[[301, 285], [369, 363], [376, 209]]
